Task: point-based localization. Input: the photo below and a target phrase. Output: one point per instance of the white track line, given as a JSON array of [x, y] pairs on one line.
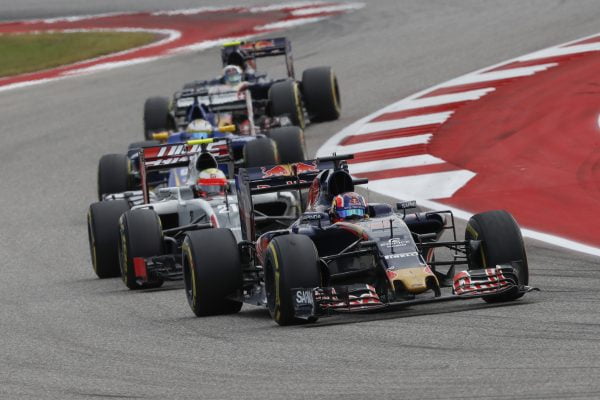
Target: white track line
[[402, 162], [385, 144], [560, 51], [499, 75], [408, 122]]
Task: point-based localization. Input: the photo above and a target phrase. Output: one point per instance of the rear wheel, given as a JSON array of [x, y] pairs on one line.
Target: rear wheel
[[114, 172], [290, 144], [291, 262], [140, 236], [501, 243], [103, 235], [321, 94], [286, 101], [260, 152], [156, 116], [212, 271]]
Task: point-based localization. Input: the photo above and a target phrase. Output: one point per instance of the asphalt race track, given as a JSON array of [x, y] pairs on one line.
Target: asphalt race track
[[66, 335]]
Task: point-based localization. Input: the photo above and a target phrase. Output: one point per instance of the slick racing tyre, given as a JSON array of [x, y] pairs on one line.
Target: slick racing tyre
[[156, 116], [260, 152], [285, 100], [114, 174], [103, 235], [290, 144], [321, 94], [501, 243], [140, 236], [144, 144], [212, 271], [291, 262]]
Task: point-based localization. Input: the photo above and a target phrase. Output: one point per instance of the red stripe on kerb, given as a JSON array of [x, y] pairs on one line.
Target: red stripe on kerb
[[390, 134], [418, 111], [386, 154], [408, 171]]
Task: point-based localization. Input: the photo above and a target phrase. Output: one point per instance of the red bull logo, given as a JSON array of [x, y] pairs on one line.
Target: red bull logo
[[259, 44], [302, 168], [278, 170]]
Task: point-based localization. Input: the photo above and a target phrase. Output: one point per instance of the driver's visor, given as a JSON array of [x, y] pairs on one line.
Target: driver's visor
[[359, 212]]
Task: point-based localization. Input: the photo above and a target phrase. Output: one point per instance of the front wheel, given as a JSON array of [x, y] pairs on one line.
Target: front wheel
[[114, 174], [212, 272], [501, 243], [291, 262]]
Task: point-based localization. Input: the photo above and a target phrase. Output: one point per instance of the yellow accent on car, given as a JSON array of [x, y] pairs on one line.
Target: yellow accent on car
[[277, 291], [200, 141], [160, 135], [233, 43], [415, 279], [229, 128]]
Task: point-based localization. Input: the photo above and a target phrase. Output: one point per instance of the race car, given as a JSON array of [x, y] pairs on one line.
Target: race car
[[140, 240], [315, 98], [321, 266], [119, 173]]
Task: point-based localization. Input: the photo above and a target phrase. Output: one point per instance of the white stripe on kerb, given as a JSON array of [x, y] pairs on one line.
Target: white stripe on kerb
[[437, 185], [498, 75], [385, 144], [439, 100], [402, 162], [418, 120]]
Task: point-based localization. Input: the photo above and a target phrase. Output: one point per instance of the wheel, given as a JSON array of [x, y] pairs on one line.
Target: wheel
[[144, 144], [291, 262], [285, 100], [290, 144], [140, 236], [211, 271], [501, 243], [260, 152], [321, 94], [103, 235], [156, 116], [114, 172]]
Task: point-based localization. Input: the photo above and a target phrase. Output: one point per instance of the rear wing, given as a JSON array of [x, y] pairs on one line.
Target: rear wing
[[241, 51], [178, 155], [276, 178]]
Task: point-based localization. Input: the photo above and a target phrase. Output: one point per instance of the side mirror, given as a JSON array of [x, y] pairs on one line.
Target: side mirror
[[162, 136], [227, 128], [404, 205]]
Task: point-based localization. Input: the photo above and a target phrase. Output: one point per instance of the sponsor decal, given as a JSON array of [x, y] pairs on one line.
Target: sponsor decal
[[401, 255], [397, 242], [304, 297], [302, 167], [278, 170]]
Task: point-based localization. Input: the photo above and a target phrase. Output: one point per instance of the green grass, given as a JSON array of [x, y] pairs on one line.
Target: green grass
[[22, 53]]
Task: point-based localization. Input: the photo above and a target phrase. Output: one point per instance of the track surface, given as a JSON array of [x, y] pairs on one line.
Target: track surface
[[65, 334]]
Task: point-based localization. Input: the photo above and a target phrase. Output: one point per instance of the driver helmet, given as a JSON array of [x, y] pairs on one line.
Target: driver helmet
[[199, 129], [211, 182], [347, 206], [232, 74]]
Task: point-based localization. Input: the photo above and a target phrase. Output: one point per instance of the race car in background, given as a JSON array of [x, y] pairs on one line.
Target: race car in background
[[254, 146], [138, 234], [317, 267], [314, 98]]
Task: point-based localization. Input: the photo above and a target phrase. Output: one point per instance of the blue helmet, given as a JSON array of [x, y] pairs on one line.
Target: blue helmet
[[348, 206]]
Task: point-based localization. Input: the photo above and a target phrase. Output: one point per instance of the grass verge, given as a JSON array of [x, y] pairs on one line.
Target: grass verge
[[23, 53]]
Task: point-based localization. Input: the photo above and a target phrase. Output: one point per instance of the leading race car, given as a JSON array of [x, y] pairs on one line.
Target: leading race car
[[316, 97], [344, 256]]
